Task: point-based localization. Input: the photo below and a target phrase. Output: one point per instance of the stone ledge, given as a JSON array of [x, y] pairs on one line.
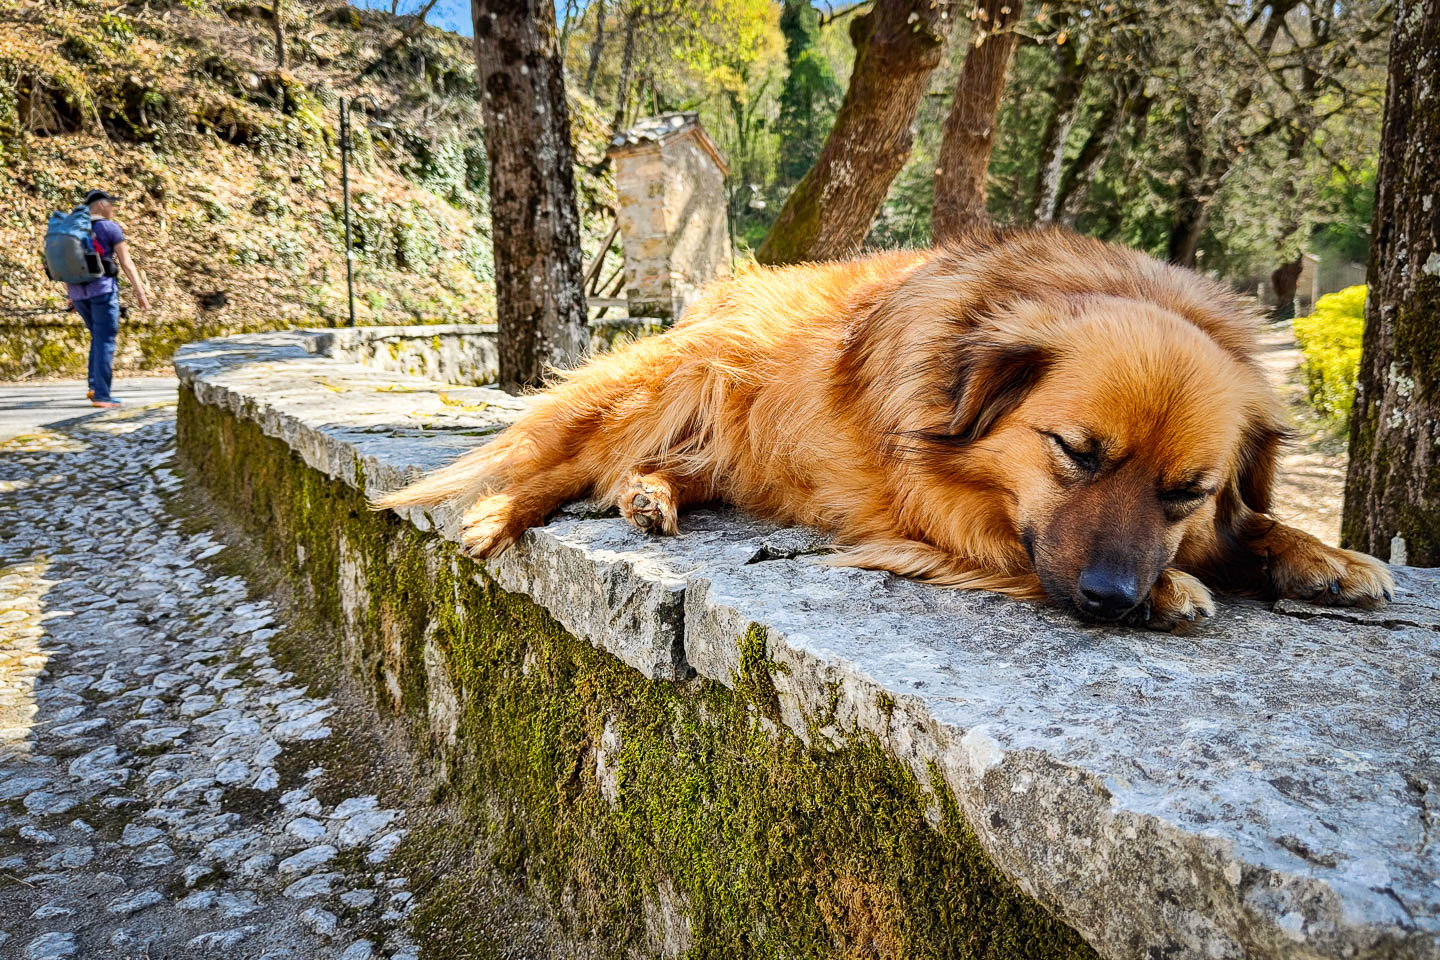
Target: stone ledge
[[1263, 787]]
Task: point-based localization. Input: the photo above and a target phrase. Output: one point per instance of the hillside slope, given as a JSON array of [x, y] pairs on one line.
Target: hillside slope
[[229, 169]]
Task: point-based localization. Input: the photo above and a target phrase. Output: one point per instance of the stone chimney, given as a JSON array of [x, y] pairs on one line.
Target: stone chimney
[[670, 180]]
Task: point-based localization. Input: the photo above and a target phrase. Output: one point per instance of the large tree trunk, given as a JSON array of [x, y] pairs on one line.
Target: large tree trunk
[[539, 285], [897, 45], [970, 127], [1393, 486], [1073, 65]]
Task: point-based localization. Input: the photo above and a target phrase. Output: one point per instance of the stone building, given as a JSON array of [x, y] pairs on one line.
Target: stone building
[[670, 180]]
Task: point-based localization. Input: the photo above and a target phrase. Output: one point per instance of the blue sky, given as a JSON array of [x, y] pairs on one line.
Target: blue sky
[[448, 14]]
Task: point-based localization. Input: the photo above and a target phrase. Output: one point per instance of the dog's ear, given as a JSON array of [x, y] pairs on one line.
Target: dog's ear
[[990, 379], [1255, 470]]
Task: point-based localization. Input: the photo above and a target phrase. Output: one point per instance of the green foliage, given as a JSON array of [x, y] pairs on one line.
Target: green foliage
[[1331, 340], [810, 96], [1348, 199], [454, 168]]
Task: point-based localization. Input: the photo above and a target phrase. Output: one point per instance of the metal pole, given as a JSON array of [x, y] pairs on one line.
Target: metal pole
[[345, 188]]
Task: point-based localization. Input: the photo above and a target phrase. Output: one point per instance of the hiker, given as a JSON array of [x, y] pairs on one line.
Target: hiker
[[98, 301]]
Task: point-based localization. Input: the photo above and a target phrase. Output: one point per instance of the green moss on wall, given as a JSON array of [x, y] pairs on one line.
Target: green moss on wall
[[655, 817]]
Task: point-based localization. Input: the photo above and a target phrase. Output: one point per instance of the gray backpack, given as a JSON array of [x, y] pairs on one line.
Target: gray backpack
[[72, 254]]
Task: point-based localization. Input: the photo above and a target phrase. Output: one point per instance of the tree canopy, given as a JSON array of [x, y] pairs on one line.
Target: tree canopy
[[1224, 133]]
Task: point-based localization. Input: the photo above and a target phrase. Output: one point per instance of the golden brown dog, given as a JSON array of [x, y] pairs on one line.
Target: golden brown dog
[[1031, 412]]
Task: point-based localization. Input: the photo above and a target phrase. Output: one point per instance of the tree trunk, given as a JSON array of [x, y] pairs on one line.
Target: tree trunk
[[897, 45], [1393, 486], [597, 48], [277, 12], [970, 127], [627, 64], [1129, 102], [535, 226], [566, 27], [1073, 66], [1192, 209], [1292, 220], [1191, 214], [1284, 280]]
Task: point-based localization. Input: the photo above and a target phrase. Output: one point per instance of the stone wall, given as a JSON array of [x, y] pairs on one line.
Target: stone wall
[[58, 346], [716, 743]]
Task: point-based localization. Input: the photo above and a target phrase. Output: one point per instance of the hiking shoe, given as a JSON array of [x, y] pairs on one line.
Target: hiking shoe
[[106, 403]]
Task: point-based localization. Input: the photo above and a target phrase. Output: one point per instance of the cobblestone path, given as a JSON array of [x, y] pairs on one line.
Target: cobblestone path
[[146, 805]]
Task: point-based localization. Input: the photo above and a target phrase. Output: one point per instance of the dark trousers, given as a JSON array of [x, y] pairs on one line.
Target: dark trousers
[[102, 318]]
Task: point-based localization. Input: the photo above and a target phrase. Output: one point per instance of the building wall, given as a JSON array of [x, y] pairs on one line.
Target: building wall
[[672, 222]]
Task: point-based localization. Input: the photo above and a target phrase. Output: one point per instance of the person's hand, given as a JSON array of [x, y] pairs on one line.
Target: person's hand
[[69, 304], [142, 302]]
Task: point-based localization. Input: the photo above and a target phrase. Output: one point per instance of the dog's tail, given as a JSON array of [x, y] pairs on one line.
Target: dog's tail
[[551, 432], [472, 474]]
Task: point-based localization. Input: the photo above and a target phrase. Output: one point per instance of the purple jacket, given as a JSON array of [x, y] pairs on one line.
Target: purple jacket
[[107, 234]]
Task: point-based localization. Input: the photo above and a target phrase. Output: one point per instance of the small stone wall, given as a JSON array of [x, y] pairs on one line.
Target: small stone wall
[[57, 345], [716, 743], [457, 353]]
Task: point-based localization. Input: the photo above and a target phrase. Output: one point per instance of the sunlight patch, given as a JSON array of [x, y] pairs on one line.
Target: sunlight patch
[[43, 441], [22, 658]]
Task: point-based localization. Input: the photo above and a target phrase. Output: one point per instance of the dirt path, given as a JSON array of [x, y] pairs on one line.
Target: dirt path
[[1311, 484]]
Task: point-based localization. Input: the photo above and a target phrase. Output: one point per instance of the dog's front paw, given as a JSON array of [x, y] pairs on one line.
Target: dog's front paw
[[1310, 570], [488, 527], [1176, 598], [649, 504]]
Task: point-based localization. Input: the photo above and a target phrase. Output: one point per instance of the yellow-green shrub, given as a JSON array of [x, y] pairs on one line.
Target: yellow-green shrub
[[1330, 340]]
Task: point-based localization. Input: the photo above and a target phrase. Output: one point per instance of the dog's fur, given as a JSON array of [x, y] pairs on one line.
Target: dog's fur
[[1031, 412]]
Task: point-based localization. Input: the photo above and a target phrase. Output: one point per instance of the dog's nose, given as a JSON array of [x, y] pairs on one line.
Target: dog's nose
[[1108, 592]]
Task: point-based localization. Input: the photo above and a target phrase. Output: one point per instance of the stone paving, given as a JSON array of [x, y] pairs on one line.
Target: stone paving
[[146, 805]]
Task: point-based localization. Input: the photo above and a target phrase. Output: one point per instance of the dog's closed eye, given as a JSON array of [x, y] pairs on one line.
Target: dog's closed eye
[[1180, 502], [1085, 456]]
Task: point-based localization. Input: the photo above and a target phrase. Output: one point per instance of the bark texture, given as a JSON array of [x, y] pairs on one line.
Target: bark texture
[[1393, 485], [539, 291], [970, 128], [898, 43]]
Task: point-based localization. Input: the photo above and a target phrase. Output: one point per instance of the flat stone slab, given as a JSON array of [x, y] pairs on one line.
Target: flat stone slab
[[1263, 786]]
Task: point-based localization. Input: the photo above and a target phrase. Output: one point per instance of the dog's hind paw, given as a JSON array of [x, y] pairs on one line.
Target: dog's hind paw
[[488, 527], [1176, 598], [649, 504]]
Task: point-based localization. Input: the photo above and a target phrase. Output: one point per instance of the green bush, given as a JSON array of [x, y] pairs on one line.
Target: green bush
[[1330, 339]]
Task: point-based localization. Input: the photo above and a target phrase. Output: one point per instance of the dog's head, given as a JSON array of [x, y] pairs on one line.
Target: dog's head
[[1111, 430]]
